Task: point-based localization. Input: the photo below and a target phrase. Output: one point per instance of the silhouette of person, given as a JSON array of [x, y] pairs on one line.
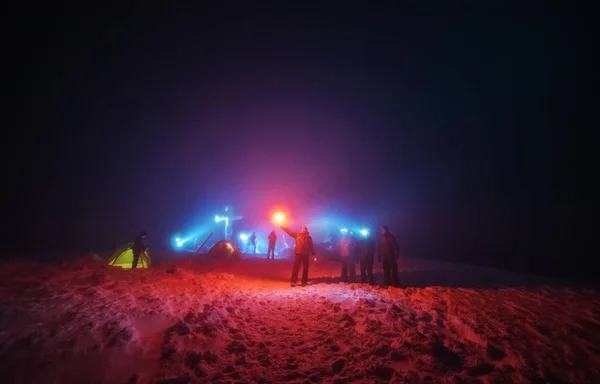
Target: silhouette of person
[[253, 242], [387, 253], [272, 242], [366, 253], [138, 247], [302, 252], [346, 247]]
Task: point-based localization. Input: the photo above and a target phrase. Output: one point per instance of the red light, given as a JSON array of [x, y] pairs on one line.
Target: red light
[[279, 218]]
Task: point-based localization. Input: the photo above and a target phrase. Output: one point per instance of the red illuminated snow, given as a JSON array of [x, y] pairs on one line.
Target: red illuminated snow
[[241, 322]]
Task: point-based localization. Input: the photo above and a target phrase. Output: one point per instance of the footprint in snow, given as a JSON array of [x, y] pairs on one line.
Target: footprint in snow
[[495, 353], [481, 369]]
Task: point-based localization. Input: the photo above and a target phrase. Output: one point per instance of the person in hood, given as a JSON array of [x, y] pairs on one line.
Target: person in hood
[[272, 242], [138, 247], [303, 251], [387, 253], [346, 251]]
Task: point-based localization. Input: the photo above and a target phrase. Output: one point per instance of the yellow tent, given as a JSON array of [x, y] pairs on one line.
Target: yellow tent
[[123, 257], [224, 249]]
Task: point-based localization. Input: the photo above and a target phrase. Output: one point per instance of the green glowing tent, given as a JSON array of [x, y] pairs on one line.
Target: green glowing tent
[[123, 257]]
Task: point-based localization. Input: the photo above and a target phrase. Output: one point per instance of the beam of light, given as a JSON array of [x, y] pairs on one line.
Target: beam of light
[[243, 236], [218, 219], [344, 230], [364, 232], [179, 241]]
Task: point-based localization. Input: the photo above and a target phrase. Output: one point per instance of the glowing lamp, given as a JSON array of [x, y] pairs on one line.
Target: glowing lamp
[[278, 218], [364, 232], [179, 242], [243, 236]]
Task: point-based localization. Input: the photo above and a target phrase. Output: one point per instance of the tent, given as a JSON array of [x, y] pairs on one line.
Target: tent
[[224, 249], [123, 257]]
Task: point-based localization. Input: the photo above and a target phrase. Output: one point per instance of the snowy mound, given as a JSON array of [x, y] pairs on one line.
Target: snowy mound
[[239, 321]]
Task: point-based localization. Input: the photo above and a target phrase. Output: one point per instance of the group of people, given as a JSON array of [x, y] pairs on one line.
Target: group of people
[[272, 240], [351, 252]]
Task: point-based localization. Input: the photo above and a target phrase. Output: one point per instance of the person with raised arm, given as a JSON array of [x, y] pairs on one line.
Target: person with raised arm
[[303, 250]]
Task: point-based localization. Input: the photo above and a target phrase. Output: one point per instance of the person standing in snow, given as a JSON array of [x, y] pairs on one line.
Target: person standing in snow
[[366, 252], [387, 253], [272, 241], [138, 247], [346, 251], [303, 251], [253, 242]]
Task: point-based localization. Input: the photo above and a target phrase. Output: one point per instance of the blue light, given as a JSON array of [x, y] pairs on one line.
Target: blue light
[[243, 236], [218, 219], [344, 230], [178, 241], [364, 232]]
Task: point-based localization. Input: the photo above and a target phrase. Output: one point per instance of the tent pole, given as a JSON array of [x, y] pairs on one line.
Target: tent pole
[[199, 248]]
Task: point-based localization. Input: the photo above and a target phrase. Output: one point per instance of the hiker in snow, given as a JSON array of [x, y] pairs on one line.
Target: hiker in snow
[[387, 253], [272, 241], [138, 247], [303, 251], [253, 242], [346, 251], [366, 253]]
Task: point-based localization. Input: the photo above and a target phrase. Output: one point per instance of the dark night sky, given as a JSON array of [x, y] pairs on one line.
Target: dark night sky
[[457, 125]]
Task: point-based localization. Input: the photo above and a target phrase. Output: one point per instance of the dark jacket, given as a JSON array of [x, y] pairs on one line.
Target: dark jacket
[[138, 243], [387, 247], [272, 238], [366, 249], [348, 249], [304, 242], [344, 247], [253, 239]]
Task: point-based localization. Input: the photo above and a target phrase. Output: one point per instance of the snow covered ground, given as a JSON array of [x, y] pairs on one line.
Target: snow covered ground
[[239, 321]]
